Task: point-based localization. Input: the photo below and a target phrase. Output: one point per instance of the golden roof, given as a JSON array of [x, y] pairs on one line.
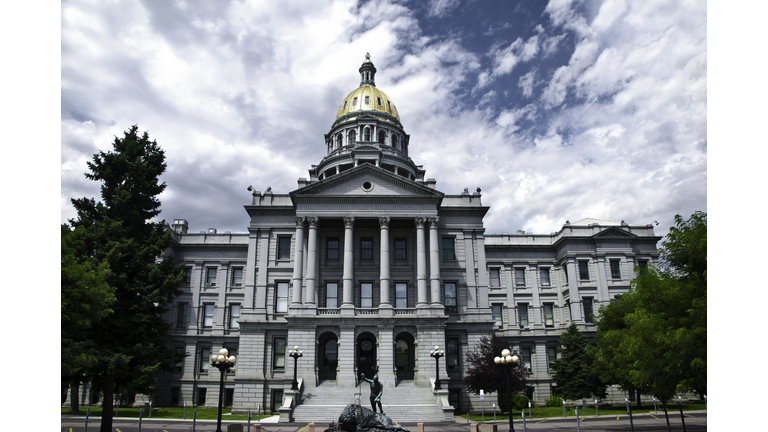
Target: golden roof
[[367, 98]]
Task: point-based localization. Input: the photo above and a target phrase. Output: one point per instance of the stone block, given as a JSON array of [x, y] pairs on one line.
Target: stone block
[[474, 427], [489, 427], [420, 427], [234, 428]]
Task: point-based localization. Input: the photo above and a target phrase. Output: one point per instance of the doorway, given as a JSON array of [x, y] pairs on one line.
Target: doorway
[[329, 357], [366, 355], [404, 356]]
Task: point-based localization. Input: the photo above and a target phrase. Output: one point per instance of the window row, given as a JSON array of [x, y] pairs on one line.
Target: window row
[[210, 276], [206, 316], [365, 291], [333, 245], [519, 277], [367, 135]]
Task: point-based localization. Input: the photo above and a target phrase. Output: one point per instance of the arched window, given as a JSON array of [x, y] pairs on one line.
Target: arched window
[[367, 134], [352, 137], [382, 137], [338, 141], [395, 142]]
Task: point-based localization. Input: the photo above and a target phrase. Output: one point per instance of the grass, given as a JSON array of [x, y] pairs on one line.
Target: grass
[[607, 410], [168, 413]]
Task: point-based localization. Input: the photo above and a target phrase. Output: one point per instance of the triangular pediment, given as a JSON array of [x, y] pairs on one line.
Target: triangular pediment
[[613, 233], [367, 181]]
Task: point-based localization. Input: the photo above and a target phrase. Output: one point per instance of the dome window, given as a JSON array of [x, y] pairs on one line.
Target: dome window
[[338, 141], [354, 102], [394, 142], [382, 137], [378, 99], [367, 100], [345, 105], [352, 136], [367, 133]]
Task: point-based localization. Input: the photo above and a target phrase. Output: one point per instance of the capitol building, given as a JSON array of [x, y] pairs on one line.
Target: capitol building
[[367, 266]]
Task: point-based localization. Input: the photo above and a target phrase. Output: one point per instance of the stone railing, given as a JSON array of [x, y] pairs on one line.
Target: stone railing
[[328, 311], [366, 311], [406, 311]]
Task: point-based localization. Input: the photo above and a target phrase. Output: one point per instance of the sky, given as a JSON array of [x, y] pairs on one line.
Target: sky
[[557, 110]]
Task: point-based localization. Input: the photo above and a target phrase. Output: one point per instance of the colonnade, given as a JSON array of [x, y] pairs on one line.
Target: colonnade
[[308, 285]]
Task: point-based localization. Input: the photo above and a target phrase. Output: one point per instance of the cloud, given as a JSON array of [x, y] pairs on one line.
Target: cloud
[[441, 8]]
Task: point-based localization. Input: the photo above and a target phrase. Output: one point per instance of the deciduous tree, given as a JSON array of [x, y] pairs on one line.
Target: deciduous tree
[[484, 374], [130, 345]]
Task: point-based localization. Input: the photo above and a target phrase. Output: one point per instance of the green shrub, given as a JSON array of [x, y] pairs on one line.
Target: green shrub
[[553, 401], [520, 402]]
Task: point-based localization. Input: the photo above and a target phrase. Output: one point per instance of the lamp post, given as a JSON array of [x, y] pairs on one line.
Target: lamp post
[[436, 353], [223, 364], [507, 358], [295, 353]]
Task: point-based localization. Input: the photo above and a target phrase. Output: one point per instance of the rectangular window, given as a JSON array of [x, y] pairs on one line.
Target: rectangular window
[[400, 249], [642, 263], [497, 317], [450, 297], [205, 359], [549, 315], [583, 270], [449, 249], [210, 276], [281, 297], [354, 102], [587, 302], [367, 100], [551, 356], [565, 272], [187, 276], [179, 367], [520, 277], [277, 398], [366, 248], [378, 101], [181, 315], [208, 316], [201, 396], [452, 354], [333, 249], [283, 248], [522, 313], [237, 276], [401, 295], [495, 279], [544, 276], [615, 269], [366, 295], [234, 315], [278, 361], [525, 353], [345, 105], [229, 396], [332, 295], [174, 395]]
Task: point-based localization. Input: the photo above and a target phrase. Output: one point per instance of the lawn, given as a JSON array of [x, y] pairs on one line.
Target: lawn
[[607, 410], [168, 413]]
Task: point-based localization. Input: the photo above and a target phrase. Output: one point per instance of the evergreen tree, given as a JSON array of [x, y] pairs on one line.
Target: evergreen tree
[[575, 373], [484, 374], [86, 298], [130, 345], [654, 338]]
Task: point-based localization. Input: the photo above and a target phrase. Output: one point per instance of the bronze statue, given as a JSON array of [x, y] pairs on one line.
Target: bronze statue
[[377, 389], [355, 418]]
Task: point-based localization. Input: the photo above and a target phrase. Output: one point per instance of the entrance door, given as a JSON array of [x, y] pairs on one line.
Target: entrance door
[[366, 356], [404, 361], [329, 359]]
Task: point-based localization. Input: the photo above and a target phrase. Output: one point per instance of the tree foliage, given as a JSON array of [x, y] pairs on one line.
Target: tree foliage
[[575, 372], [130, 345], [654, 338], [484, 374]]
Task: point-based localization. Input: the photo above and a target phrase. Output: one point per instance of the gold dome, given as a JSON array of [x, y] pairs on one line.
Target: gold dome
[[367, 98]]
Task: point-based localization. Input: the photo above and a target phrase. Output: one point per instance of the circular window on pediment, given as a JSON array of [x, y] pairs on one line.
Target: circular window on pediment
[[367, 186]]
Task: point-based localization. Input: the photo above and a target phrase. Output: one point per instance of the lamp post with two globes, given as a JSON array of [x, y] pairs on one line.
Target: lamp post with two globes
[[436, 353], [507, 358], [223, 364]]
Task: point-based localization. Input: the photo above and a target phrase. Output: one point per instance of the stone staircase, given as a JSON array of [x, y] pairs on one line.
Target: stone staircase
[[404, 403]]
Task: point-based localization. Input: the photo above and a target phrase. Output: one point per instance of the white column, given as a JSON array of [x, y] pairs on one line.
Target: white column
[[309, 292], [298, 261], [421, 263], [347, 286], [434, 262], [384, 263]]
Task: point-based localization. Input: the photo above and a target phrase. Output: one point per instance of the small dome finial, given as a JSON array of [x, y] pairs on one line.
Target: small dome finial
[[367, 56]]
